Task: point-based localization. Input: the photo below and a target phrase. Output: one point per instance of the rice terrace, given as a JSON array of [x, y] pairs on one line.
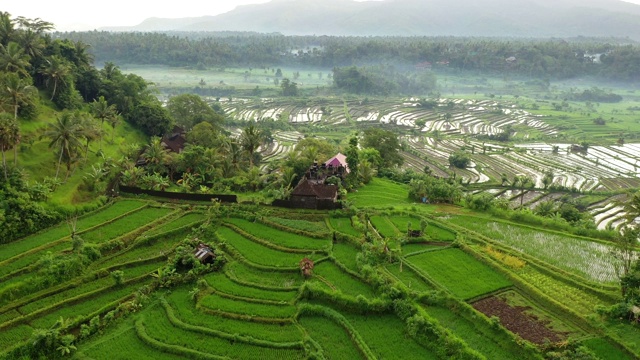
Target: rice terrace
[[241, 195]]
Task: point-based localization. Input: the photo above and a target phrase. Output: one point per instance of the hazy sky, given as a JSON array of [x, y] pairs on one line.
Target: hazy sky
[[83, 15]]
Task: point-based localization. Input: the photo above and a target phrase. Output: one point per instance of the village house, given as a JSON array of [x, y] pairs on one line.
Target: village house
[[175, 140], [312, 192]]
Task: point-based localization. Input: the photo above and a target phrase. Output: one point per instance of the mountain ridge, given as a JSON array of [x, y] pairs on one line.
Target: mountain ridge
[[523, 18]]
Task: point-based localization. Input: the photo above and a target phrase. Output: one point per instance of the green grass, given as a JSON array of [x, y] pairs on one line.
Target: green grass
[[160, 328], [9, 315], [387, 337], [125, 225], [104, 282], [318, 227], [180, 77], [217, 302], [437, 233], [39, 161], [184, 308], [334, 340], [261, 277], [401, 222], [381, 193], [409, 278], [384, 226], [11, 337], [260, 254], [478, 335], [344, 226], [279, 237], [160, 246], [222, 283], [627, 334], [459, 272], [32, 258], [121, 343], [605, 350], [63, 230], [415, 247], [345, 253], [85, 307], [188, 219], [343, 281]]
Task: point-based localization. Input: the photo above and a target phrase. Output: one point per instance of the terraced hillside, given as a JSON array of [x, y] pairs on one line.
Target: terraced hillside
[[495, 294]]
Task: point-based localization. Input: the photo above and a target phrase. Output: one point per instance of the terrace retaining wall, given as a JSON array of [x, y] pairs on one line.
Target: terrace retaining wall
[[179, 196]]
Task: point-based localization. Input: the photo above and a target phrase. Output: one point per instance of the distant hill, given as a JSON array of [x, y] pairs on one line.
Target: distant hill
[[517, 18]]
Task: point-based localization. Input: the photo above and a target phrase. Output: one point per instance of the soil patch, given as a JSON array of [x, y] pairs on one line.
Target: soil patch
[[516, 320]]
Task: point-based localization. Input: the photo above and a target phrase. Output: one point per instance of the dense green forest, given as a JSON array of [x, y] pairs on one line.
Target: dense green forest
[[549, 58]]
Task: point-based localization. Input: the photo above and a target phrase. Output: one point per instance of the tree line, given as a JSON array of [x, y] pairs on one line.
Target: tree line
[[38, 69], [541, 58]]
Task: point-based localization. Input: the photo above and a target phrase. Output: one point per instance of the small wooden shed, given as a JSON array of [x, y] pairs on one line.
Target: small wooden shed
[[205, 254]]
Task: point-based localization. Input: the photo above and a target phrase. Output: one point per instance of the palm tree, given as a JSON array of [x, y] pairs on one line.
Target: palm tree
[[83, 58], [231, 154], [65, 135], [15, 91], [250, 140], [102, 111], [7, 28], [14, 59], [632, 208], [156, 156], [32, 43], [56, 69], [522, 182], [9, 137], [90, 131]]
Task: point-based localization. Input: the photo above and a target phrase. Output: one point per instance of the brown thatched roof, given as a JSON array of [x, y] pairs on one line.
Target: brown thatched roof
[[175, 140], [320, 191]]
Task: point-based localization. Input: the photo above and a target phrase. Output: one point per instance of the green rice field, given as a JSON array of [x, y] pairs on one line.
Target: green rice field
[[459, 272]]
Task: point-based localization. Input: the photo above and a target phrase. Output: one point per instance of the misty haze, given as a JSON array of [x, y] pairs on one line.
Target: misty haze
[[320, 179]]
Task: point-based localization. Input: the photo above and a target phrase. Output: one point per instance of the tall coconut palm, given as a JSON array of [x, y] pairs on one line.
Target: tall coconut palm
[[32, 43], [83, 58], [7, 27], [90, 131], [14, 59], [65, 135], [114, 121], [55, 69], [15, 92], [101, 110], [9, 137], [250, 140]]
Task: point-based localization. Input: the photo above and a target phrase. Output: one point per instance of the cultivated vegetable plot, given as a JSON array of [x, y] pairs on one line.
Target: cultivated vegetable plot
[[478, 335]]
